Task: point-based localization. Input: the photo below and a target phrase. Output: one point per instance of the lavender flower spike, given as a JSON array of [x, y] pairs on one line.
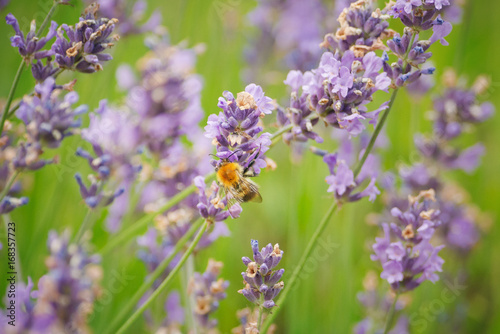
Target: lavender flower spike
[[235, 131], [407, 256], [207, 291], [49, 119], [88, 39], [93, 195], [30, 47], [261, 281]]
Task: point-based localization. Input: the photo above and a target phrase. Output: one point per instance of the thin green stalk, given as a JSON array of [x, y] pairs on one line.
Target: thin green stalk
[[133, 230], [86, 223], [191, 323], [20, 69], [165, 282], [390, 316], [9, 184], [261, 313], [132, 302], [11, 95], [324, 222], [374, 137], [47, 18]]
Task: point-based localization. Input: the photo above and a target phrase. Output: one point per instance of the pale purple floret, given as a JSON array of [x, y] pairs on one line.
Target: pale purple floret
[[262, 281], [207, 290], [405, 252], [48, 118]]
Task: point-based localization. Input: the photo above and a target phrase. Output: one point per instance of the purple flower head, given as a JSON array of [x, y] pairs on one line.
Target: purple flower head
[[9, 203], [28, 157], [405, 252], [166, 96], [42, 72], [30, 47], [93, 195], [86, 41], [362, 29], [211, 207], [49, 119], [418, 14], [68, 291], [262, 281], [207, 291], [341, 179], [236, 130]]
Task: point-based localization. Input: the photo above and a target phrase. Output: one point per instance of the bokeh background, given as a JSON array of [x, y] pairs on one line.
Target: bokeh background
[[295, 196]]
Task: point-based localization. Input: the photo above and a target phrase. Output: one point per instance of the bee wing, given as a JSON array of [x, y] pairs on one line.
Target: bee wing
[[250, 191]]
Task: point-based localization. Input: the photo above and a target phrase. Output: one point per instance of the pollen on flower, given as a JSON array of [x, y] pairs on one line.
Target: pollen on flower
[[202, 306], [408, 232], [427, 214], [252, 269], [245, 100]]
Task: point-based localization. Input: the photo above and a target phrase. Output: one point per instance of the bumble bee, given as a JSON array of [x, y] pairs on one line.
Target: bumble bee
[[233, 179]]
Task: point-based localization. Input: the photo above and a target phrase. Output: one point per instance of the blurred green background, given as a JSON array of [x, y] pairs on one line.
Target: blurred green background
[[294, 195]]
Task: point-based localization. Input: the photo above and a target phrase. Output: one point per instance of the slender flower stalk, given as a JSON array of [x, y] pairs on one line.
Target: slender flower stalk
[[6, 110], [322, 225], [86, 225], [165, 282], [132, 302], [390, 316]]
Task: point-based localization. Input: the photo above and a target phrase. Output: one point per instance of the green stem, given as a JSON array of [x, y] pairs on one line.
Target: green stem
[[261, 313], [132, 302], [47, 19], [374, 137], [9, 184], [165, 282], [86, 223], [11, 95], [324, 222], [390, 316], [133, 230], [13, 88]]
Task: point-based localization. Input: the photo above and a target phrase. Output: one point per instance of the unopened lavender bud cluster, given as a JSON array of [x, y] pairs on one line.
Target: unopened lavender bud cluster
[[406, 253], [262, 280], [207, 290]]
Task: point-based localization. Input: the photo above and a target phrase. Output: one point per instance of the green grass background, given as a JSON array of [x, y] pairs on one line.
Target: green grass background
[[294, 195]]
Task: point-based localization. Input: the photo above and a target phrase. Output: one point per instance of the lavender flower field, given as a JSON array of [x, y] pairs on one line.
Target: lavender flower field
[[263, 166]]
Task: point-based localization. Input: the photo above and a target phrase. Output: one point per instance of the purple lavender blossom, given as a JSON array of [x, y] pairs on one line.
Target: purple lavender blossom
[[235, 131], [87, 40], [339, 90], [42, 72], [66, 294], [280, 26], [28, 157], [405, 252], [362, 29], [261, 281], [30, 47], [48, 119], [207, 291], [418, 14], [211, 207], [341, 179], [175, 314], [93, 195], [376, 305], [9, 203]]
